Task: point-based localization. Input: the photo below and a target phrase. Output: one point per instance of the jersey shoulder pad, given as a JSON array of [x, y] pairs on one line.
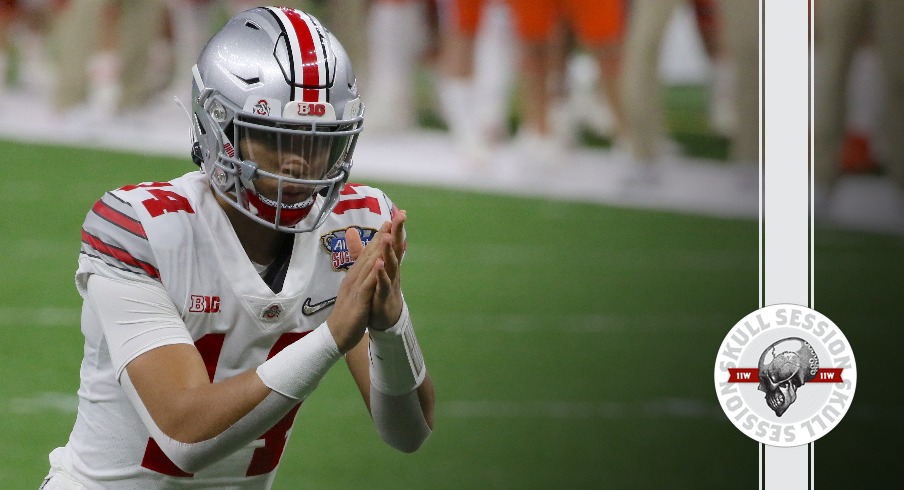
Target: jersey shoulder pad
[[113, 234], [364, 198]]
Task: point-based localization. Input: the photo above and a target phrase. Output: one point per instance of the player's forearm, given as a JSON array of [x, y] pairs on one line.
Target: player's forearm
[[175, 389], [194, 456], [401, 395], [426, 398], [205, 411], [149, 344], [403, 421], [196, 422]]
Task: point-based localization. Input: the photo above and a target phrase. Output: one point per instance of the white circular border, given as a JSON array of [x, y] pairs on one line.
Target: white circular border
[[778, 433]]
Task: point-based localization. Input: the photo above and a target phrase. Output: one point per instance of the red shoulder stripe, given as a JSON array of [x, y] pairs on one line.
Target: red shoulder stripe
[[119, 219], [119, 254], [349, 188], [368, 202]]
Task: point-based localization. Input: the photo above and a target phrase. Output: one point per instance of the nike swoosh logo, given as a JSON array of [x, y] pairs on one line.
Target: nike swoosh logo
[[309, 309]]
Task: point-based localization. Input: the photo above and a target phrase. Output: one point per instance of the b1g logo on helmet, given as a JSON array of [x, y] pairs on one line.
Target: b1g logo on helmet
[[336, 245], [309, 111], [785, 375]]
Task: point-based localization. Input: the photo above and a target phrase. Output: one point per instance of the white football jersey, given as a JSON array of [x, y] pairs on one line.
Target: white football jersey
[[175, 233]]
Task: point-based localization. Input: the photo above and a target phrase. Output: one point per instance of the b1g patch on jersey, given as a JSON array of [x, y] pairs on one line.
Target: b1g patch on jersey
[[335, 244]]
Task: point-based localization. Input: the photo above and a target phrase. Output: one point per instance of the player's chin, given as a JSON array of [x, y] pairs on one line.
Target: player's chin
[[296, 194], [296, 198]]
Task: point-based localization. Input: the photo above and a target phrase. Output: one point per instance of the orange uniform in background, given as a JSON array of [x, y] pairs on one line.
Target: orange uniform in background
[[462, 15], [706, 13], [593, 21]]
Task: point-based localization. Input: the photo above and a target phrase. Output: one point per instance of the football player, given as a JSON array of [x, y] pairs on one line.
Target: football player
[[540, 25], [214, 303]]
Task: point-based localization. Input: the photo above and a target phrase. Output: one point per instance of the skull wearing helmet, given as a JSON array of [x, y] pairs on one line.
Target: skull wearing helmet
[[784, 367]]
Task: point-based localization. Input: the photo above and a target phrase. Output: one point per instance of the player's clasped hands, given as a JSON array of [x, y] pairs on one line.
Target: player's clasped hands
[[371, 293]]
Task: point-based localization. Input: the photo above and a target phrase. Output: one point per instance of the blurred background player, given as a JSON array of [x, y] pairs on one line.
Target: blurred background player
[[841, 27], [400, 34], [346, 18], [24, 52], [640, 86], [542, 27], [709, 20], [734, 110], [729, 33], [8, 14], [115, 56], [106, 51], [474, 74]]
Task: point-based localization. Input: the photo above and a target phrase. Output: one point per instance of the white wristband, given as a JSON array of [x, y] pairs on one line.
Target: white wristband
[[396, 362], [297, 370]]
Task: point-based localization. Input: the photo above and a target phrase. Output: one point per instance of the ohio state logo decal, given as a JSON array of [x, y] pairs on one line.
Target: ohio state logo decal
[[334, 243], [262, 108], [785, 375], [271, 312]]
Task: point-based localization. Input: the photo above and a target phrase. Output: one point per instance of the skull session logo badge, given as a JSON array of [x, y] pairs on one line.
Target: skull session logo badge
[[785, 375]]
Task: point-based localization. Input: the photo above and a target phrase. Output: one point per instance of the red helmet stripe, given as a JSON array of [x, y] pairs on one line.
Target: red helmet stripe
[[307, 68]]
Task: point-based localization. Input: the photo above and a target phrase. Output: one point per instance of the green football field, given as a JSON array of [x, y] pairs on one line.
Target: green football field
[[572, 345]]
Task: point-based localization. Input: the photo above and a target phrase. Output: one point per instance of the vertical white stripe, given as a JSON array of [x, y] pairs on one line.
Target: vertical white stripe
[[786, 153], [784, 204], [759, 473], [296, 50]]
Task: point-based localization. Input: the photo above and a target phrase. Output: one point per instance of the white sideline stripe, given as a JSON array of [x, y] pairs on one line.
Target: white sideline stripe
[[573, 323], [689, 185], [666, 407], [516, 254], [562, 410], [504, 322], [50, 316], [59, 402], [54, 316], [484, 409]]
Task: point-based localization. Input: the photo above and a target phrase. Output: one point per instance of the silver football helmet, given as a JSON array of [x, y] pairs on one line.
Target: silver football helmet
[[276, 117]]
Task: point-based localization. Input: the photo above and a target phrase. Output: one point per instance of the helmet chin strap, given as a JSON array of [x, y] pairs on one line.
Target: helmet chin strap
[[289, 215]]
